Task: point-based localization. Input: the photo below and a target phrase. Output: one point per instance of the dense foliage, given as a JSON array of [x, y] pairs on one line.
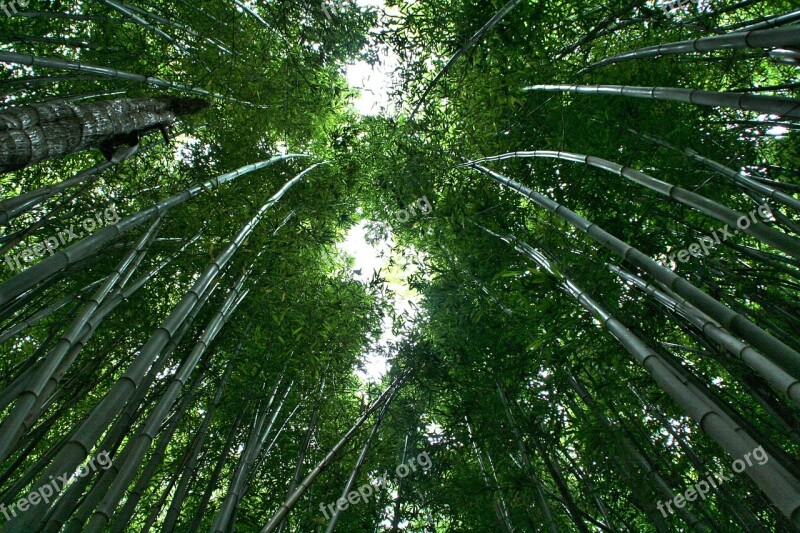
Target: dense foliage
[[517, 372]]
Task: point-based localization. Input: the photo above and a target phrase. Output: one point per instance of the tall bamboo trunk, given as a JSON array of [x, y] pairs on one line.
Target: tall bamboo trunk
[[526, 456], [739, 178], [189, 469], [779, 352], [92, 427], [312, 425], [772, 373], [498, 504], [23, 203], [141, 444], [214, 479], [759, 38], [36, 133], [290, 502], [708, 207], [780, 486], [348, 486], [29, 278], [246, 458], [31, 396], [486, 28], [398, 502], [771, 105], [105, 72]]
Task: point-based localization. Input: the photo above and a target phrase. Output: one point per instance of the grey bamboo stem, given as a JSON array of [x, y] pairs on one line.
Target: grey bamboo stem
[[491, 23], [290, 502], [737, 177], [773, 479], [87, 246], [14, 207], [31, 395], [771, 105], [93, 426], [141, 444], [359, 462], [777, 351], [777, 239], [777, 378], [106, 72], [223, 516], [759, 38]]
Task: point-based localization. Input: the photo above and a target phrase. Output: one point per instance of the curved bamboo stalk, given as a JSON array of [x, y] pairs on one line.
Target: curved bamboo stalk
[[214, 479], [774, 480], [76, 43], [777, 378], [175, 25], [59, 15], [777, 351], [19, 327], [260, 19], [771, 105], [107, 72], [227, 507], [491, 23], [353, 473], [138, 447], [141, 22], [116, 298], [759, 38], [290, 502], [737, 177], [189, 468], [87, 246], [93, 426], [31, 395], [68, 504], [780, 241]]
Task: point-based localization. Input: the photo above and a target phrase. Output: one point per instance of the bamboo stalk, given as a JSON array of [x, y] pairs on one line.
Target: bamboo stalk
[[757, 38], [782, 488], [107, 72], [93, 426], [87, 246], [771, 105], [777, 351], [777, 239]]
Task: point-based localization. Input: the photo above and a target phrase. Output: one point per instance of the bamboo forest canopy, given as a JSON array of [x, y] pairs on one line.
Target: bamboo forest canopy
[[585, 217]]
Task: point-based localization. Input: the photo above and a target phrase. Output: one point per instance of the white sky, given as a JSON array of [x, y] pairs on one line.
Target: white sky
[[369, 259], [374, 83]]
